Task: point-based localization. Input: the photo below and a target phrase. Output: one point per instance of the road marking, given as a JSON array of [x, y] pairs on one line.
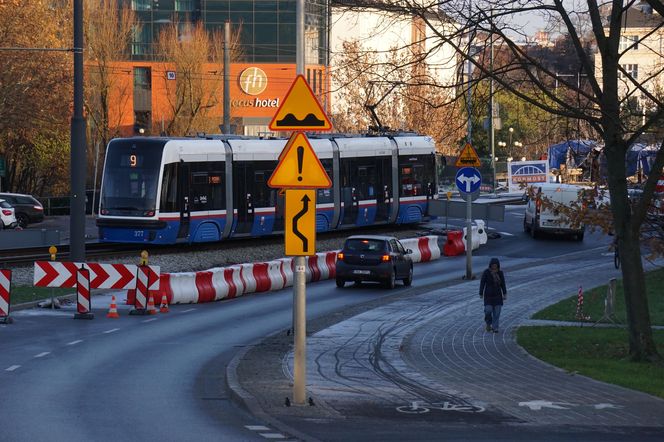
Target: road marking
[[111, 330], [187, 311], [78, 341], [257, 427], [506, 233], [273, 435], [603, 406], [41, 355], [150, 320], [12, 368], [539, 404]]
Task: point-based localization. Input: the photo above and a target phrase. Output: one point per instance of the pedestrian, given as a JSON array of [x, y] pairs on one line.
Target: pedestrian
[[494, 292]]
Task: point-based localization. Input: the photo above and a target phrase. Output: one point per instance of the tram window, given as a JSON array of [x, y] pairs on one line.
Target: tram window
[[366, 182], [216, 189], [200, 190], [169, 187], [261, 193], [325, 195]]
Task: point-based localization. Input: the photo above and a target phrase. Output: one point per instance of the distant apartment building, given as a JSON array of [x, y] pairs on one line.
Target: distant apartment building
[[382, 36], [642, 49]]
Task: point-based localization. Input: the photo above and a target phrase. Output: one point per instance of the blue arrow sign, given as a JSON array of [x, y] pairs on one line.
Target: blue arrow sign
[[468, 179]]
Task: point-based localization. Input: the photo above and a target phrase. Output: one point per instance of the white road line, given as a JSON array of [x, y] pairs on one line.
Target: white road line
[[111, 330], [186, 311], [150, 320], [506, 233], [12, 368], [78, 341], [273, 435], [41, 355], [257, 427]]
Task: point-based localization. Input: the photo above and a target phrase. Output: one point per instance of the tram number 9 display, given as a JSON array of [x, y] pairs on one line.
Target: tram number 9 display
[[132, 160]]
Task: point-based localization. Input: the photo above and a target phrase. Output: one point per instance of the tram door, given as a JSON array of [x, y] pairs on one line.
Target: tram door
[[384, 190], [242, 197], [184, 176]]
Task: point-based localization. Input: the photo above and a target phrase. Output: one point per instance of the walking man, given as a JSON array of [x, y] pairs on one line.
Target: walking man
[[494, 292]]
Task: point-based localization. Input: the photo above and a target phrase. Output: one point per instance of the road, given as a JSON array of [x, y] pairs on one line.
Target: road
[[162, 377]]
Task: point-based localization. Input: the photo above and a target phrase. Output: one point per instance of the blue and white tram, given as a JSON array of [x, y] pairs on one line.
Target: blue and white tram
[[168, 190]]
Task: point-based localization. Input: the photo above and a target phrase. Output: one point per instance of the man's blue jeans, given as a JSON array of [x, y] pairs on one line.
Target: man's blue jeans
[[492, 315]]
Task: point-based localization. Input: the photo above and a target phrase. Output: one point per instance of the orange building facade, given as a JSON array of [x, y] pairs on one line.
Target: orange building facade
[[146, 99]]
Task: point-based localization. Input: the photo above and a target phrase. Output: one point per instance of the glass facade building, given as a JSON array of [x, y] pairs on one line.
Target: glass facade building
[[267, 26]]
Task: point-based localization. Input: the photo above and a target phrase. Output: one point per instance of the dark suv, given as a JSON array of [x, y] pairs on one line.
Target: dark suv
[[28, 210], [374, 258]]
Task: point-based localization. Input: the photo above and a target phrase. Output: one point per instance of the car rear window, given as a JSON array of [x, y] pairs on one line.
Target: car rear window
[[365, 245], [5, 205]]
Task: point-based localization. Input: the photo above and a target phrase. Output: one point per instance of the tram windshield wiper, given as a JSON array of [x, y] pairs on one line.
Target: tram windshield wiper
[[124, 208]]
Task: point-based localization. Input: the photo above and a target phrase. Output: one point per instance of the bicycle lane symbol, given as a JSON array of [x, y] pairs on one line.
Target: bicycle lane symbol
[[416, 407]]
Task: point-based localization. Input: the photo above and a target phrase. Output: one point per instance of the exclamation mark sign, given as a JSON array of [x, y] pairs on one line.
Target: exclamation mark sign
[[300, 158]]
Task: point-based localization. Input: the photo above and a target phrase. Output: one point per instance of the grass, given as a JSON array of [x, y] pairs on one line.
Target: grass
[[599, 353], [20, 294], [593, 302]]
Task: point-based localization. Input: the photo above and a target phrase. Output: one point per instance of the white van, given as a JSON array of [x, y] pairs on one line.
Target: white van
[[539, 219]]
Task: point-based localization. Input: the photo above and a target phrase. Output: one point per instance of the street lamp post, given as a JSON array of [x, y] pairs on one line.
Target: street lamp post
[[511, 129], [517, 144]]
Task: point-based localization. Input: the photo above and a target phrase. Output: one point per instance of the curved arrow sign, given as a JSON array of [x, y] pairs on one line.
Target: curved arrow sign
[[300, 220]]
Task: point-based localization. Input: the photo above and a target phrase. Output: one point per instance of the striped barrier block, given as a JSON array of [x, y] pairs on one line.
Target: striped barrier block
[[5, 294], [83, 301], [261, 275], [276, 274], [248, 278]]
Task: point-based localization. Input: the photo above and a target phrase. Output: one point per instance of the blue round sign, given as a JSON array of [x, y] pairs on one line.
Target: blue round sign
[[468, 180]]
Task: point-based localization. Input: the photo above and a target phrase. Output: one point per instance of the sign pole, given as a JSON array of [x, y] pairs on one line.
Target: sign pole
[[469, 235], [300, 360]]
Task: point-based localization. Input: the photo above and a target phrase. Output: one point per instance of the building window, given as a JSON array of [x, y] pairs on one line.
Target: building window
[[141, 5], [184, 5], [631, 69], [140, 40], [142, 99], [629, 42]]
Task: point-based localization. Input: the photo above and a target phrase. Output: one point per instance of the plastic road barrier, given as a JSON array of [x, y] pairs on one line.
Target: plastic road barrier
[[83, 303], [5, 295], [454, 245]]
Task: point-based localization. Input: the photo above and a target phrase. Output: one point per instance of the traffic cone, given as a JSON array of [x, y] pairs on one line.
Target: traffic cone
[[164, 304], [151, 309], [113, 310]]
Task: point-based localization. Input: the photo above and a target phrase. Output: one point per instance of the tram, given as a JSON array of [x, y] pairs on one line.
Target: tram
[[159, 190]]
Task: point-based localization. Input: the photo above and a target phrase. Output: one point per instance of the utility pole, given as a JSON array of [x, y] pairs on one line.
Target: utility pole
[[78, 147], [491, 105], [227, 78]]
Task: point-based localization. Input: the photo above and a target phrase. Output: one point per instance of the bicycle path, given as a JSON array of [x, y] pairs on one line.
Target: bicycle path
[[428, 358]]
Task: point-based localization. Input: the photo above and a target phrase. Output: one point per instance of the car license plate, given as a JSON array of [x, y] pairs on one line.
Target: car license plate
[[361, 272]]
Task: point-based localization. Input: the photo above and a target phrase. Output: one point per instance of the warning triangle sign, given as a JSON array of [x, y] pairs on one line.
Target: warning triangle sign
[[468, 157], [300, 110], [299, 167]]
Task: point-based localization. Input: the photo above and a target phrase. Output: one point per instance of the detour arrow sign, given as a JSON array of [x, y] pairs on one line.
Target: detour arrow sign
[[300, 216]]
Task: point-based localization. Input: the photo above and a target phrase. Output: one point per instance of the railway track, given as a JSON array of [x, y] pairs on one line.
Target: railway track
[[105, 251]]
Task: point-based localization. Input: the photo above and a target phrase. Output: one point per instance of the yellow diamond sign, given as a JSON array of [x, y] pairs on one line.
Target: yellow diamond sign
[[468, 157], [300, 110]]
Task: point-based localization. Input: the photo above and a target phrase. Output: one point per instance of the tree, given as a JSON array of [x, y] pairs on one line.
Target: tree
[[193, 96], [108, 31], [602, 105], [35, 92]]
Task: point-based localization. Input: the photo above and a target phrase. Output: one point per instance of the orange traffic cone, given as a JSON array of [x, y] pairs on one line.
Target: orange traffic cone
[[151, 309], [113, 310], [164, 304]]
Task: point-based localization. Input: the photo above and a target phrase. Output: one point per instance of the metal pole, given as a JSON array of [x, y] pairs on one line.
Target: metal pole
[[491, 125], [469, 234], [78, 147], [227, 77], [299, 288], [94, 184], [300, 362]]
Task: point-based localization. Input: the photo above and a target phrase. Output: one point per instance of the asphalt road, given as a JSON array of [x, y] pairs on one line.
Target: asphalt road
[[161, 378]]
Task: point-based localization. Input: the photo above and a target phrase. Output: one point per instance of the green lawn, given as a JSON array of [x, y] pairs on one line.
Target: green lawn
[[599, 353], [28, 293], [593, 302]]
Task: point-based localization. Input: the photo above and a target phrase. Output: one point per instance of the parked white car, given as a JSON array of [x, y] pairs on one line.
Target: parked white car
[[7, 215]]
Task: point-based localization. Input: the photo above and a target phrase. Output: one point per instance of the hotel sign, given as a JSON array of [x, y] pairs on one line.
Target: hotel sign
[[253, 81]]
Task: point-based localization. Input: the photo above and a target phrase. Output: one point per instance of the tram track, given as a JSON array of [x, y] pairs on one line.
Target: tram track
[[96, 251]]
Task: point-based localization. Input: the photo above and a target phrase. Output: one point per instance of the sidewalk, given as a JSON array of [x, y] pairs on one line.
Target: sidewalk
[[431, 348]]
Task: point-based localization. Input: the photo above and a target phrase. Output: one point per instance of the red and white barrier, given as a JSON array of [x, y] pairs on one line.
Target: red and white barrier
[[83, 302], [233, 281], [5, 294], [142, 284]]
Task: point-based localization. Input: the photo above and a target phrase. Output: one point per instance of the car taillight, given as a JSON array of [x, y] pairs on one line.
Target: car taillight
[[38, 207], [104, 212], [340, 256], [385, 258], [6, 212]]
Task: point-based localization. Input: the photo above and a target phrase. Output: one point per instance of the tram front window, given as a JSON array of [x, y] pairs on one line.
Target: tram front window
[[131, 175]]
